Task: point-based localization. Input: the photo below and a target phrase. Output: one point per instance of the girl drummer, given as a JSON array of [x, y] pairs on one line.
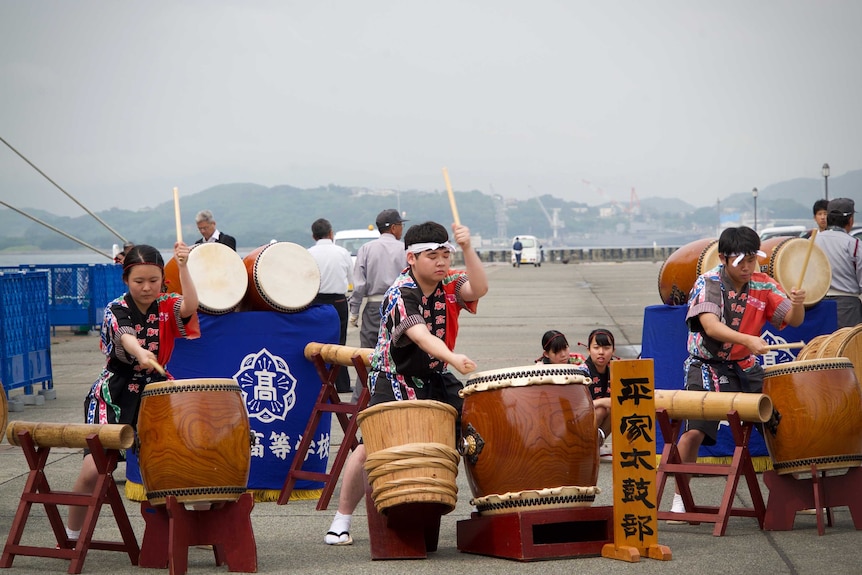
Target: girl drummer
[[137, 336], [555, 349]]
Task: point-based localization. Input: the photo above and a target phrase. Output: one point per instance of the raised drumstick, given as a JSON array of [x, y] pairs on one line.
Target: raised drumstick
[[807, 257], [177, 215], [795, 345], [452, 205]]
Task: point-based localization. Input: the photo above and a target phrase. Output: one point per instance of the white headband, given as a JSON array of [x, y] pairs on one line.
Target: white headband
[[738, 259], [425, 246]]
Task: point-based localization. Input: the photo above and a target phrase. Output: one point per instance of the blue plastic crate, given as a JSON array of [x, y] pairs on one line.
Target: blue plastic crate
[[69, 295], [25, 344]]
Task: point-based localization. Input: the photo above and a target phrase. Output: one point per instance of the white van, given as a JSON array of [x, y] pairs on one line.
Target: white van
[[352, 240], [530, 254]]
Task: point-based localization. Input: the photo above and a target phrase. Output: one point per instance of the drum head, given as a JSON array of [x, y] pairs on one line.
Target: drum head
[[535, 374], [785, 266], [286, 276], [219, 275]]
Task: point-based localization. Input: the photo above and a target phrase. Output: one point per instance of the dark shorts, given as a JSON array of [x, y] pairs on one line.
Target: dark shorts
[[718, 378]]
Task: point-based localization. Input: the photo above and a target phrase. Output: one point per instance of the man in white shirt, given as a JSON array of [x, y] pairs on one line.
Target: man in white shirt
[[336, 274], [378, 263], [845, 259]]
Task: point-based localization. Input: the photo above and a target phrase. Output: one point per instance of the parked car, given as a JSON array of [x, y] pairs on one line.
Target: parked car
[[791, 231]]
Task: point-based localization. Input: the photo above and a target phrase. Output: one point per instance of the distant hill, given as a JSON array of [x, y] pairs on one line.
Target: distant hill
[[256, 214]]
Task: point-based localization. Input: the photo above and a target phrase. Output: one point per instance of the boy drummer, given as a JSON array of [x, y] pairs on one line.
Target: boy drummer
[[416, 341], [727, 309]]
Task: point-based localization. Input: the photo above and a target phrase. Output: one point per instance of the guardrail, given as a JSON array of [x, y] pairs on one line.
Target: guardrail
[[583, 255]]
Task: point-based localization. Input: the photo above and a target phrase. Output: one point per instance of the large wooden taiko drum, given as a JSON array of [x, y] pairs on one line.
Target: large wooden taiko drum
[[820, 407], [529, 434], [411, 456], [4, 412], [282, 276], [682, 268], [785, 257], [219, 277], [194, 441]]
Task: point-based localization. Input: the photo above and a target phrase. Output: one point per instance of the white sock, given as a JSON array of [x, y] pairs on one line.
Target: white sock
[[340, 524], [678, 506], [72, 535]]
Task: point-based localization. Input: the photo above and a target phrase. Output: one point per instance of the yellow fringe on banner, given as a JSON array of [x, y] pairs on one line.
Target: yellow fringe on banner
[[136, 492], [760, 464]]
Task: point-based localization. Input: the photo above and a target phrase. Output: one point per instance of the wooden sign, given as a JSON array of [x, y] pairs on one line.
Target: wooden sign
[[634, 465]]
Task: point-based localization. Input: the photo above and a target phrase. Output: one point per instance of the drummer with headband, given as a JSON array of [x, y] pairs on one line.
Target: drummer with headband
[[417, 341], [727, 309]]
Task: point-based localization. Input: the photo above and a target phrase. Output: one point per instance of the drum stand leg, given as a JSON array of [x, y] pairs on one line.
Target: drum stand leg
[[407, 531], [171, 529], [328, 402], [787, 495], [740, 466], [37, 490]]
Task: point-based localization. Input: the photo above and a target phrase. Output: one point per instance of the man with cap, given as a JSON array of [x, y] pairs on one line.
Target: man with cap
[[845, 258], [378, 263]]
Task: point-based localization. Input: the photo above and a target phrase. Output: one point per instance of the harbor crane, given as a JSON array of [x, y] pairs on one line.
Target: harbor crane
[[553, 220]]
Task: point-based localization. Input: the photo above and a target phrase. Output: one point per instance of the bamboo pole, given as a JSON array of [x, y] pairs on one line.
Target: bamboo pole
[[339, 354], [111, 436], [713, 406]]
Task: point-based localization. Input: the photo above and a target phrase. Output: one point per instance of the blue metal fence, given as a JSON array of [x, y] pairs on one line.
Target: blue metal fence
[[25, 339]]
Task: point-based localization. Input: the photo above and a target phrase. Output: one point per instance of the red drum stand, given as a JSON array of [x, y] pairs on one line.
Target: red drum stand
[[407, 531], [740, 466], [171, 529], [37, 490], [787, 495]]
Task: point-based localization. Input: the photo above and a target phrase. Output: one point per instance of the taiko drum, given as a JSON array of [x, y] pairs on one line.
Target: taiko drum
[[784, 260], [682, 268], [819, 403], [528, 428], [282, 276], [411, 456], [218, 274], [194, 441]]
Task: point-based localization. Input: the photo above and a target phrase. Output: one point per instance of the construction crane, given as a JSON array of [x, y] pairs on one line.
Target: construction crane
[[554, 221]]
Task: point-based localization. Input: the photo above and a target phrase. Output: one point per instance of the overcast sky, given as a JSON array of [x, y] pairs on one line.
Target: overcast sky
[[120, 101]]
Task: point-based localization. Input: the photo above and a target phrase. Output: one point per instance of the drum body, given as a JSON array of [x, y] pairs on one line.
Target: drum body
[[411, 453], [194, 441], [529, 429], [4, 412], [682, 268], [820, 407], [219, 276], [282, 276], [785, 257]]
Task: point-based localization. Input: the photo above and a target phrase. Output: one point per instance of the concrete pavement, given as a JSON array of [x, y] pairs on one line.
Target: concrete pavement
[[522, 304]]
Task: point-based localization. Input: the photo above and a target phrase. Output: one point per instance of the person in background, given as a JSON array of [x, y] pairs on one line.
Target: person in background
[[121, 256], [378, 263], [555, 349], [845, 258], [517, 248], [821, 211], [417, 341], [600, 344], [727, 309], [137, 337], [336, 274], [207, 227]]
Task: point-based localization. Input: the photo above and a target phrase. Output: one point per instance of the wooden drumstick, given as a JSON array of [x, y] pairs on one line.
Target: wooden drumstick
[[805, 261], [452, 205], [795, 345], [158, 367], [177, 215]]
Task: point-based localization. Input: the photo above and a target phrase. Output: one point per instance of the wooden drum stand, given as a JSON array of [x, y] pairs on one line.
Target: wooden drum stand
[[104, 442]]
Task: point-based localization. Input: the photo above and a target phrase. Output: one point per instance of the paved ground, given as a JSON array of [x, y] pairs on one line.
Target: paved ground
[[522, 304]]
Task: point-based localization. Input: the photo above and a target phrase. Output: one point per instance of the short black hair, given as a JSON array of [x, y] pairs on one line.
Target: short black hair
[[741, 240], [142, 254], [554, 341], [820, 205], [320, 228], [602, 337], [426, 232]]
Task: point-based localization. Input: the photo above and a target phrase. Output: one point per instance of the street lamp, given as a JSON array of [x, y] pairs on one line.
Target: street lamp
[[754, 195], [825, 171]]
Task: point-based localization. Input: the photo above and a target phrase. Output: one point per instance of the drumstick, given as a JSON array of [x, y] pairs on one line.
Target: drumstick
[[796, 345], [177, 216], [451, 198], [158, 367], [807, 257]]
